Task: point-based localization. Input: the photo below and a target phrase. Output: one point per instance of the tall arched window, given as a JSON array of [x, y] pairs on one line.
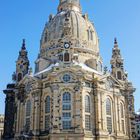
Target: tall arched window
[[87, 113], [66, 97], [91, 35], [122, 117], [87, 103], [108, 115], [66, 113], [47, 104], [88, 34], [47, 113], [28, 115]]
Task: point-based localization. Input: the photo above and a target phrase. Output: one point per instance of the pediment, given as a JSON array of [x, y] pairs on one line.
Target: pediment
[[111, 79], [29, 81]]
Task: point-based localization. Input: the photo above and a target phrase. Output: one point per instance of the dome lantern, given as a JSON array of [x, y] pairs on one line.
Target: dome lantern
[[69, 5]]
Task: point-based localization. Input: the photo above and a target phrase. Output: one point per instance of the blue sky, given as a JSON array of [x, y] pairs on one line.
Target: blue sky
[[112, 18]]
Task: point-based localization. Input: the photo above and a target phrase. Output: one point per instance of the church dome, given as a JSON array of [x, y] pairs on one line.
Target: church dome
[[71, 27], [70, 23]]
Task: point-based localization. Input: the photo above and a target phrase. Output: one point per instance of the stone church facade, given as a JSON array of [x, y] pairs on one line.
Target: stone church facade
[[69, 97]]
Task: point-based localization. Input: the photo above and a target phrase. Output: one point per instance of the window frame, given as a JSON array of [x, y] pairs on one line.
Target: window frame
[[47, 104], [87, 104], [47, 111], [122, 116], [66, 77], [109, 118], [87, 122], [66, 101]]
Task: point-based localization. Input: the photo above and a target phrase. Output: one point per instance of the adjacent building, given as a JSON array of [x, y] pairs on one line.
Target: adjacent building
[[1, 125], [70, 96], [137, 119]]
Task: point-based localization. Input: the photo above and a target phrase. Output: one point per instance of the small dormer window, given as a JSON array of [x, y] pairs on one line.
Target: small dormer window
[[119, 75], [66, 56]]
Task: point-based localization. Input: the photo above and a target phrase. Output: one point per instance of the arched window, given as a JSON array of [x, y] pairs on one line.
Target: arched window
[[91, 35], [47, 104], [46, 37], [119, 75], [108, 107], [66, 57], [66, 113], [19, 77], [122, 117], [108, 115], [88, 34], [28, 115], [66, 97], [47, 113], [87, 103], [28, 108], [87, 113]]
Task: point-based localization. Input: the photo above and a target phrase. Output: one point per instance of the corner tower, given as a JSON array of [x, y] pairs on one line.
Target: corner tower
[[22, 63], [117, 63]]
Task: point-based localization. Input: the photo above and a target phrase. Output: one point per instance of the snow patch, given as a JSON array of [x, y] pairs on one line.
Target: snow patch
[[82, 65], [61, 13], [85, 67], [47, 69]]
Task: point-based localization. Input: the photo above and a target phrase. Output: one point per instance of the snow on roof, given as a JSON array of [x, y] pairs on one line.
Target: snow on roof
[[61, 13], [84, 66], [47, 69], [138, 113]]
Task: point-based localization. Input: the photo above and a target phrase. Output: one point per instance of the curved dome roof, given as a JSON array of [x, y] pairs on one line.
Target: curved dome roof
[[69, 36], [70, 24]]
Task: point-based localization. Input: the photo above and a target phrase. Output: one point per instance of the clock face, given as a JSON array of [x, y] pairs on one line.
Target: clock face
[[66, 45]]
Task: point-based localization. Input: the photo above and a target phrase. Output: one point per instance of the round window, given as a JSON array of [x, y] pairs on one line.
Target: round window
[[66, 78]]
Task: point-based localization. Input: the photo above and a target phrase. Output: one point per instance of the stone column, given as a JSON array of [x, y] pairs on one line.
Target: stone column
[[36, 112], [55, 108], [77, 110]]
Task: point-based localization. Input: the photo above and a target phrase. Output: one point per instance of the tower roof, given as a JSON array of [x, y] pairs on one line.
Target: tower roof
[[23, 52], [69, 5], [23, 45], [116, 50]]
